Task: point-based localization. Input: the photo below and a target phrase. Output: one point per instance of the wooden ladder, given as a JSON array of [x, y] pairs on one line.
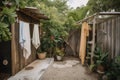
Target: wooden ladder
[[92, 42]]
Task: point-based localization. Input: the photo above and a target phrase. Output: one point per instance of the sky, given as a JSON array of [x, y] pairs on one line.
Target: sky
[[76, 3]]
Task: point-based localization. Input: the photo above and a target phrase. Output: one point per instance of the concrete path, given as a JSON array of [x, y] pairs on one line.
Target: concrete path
[[69, 69], [33, 71]]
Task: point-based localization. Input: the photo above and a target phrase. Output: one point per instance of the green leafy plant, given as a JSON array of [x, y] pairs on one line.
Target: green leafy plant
[[100, 60], [100, 57], [46, 44], [8, 15], [4, 32], [59, 52], [39, 50], [92, 67], [113, 69]]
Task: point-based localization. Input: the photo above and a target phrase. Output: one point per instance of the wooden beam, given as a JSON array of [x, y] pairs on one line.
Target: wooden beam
[[13, 49], [29, 15], [96, 14], [109, 13], [27, 18], [34, 14], [93, 40], [86, 19]]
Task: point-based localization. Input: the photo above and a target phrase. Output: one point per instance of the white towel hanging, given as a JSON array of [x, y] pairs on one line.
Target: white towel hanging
[[36, 38], [24, 39]]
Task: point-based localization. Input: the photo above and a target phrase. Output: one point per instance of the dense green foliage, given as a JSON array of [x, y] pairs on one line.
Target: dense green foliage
[[7, 16], [56, 29], [94, 6], [62, 18], [79, 13], [103, 5], [56, 10]]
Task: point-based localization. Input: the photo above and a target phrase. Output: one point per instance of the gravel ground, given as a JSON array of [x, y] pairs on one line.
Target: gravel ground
[[76, 72]]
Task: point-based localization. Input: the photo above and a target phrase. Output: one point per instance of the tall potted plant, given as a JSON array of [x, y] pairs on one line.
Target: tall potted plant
[[101, 59], [59, 48], [42, 50]]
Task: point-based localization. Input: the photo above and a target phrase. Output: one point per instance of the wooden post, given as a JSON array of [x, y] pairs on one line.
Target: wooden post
[[84, 34], [93, 41], [13, 49]]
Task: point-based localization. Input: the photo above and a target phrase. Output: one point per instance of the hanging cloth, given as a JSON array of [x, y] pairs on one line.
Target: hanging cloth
[[36, 38], [24, 39], [84, 33]]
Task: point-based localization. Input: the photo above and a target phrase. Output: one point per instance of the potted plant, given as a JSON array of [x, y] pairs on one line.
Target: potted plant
[[47, 44], [101, 59], [43, 49], [59, 53], [41, 53], [52, 35]]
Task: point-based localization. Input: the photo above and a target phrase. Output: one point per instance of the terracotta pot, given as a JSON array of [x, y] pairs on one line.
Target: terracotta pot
[[52, 37], [100, 69], [42, 55]]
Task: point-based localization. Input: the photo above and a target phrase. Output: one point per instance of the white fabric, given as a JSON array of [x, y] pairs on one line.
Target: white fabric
[[24, 39], [36, 38]]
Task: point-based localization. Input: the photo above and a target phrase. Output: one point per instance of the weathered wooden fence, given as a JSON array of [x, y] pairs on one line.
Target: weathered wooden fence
[[72, 48], [108, 36]]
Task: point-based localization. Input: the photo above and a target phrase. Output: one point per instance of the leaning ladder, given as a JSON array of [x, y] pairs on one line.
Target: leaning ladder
[[92, 42]]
